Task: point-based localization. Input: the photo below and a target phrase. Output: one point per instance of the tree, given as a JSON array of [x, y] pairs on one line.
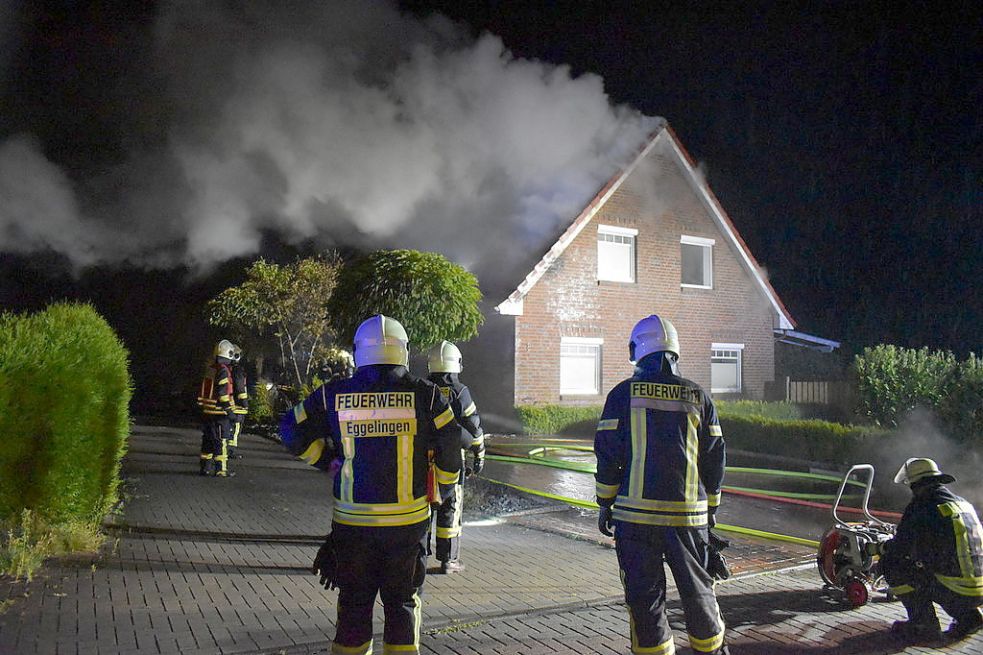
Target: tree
[[431, 296], [285, 303]]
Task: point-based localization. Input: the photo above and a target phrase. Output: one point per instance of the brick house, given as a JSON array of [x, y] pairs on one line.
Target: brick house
[[654, 240]]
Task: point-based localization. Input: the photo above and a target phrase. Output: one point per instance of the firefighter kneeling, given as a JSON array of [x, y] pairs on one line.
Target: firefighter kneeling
[[376, 429], [935, 556]]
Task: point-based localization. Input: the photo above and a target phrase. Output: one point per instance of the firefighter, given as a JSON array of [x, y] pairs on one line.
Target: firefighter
[[936, 555], [240, 397], [377, 429], [660, 466], [215, 401], [444, 364]]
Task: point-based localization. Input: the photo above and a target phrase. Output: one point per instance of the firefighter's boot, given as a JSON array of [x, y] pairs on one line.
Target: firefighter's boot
[[205, 466], [964, 626], [921, 632], [451, 566]]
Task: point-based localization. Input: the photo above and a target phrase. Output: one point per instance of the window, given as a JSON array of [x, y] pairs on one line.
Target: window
[[725, 367], [580, 366], [616, 253], [696, 262]]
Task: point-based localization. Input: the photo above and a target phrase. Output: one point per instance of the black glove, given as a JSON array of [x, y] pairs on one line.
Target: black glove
[[712, 517], [605, 522], [479, 459], [326, 564]]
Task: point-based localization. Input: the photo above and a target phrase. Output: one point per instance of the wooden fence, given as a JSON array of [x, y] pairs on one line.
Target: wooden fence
[[817, 392]]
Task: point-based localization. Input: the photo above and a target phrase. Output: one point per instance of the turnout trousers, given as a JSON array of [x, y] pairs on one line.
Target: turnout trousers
[[641, 550], [386, 561], [214, 432], [449, 522], [917, 588]]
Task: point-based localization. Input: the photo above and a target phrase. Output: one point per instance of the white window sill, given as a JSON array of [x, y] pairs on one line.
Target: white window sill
[[725, 390], [695, 286]]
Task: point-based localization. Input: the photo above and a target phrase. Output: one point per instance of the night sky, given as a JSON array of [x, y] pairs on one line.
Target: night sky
[[843, 140]]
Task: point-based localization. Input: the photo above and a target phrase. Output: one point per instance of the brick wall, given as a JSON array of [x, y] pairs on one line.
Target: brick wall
[[569, 300]]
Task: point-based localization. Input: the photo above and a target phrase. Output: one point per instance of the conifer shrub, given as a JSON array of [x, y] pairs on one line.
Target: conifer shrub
[[64, 415]]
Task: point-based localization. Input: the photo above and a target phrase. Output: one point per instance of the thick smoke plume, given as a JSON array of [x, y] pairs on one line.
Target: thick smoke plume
[[343, 122]]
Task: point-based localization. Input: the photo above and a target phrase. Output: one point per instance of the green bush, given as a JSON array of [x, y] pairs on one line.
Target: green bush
[[581, 420], [817, 441], [261, 404], [743, 425], [573, 420], [891, 381], [777, 410], [961, 408], [64, 414]]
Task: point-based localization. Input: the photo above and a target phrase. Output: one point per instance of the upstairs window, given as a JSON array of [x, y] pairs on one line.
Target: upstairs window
[[616, 253], [725, 367], [580, 366], [696, 259]]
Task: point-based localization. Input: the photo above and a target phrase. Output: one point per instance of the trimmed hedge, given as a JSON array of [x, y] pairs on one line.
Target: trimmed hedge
[[813, 440], [576, 420], [64, 414], [780, 410]]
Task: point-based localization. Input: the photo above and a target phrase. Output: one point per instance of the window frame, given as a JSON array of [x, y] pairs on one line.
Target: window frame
[[739, 360], [597, 344], [707, 245], [624, 232]]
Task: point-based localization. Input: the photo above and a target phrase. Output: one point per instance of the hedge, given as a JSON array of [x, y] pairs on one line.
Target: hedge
[[813, 440], [559, 419], [64, 414]]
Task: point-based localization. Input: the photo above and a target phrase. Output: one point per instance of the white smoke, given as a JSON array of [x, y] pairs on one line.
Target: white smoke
[[338, 121], [919, 435]]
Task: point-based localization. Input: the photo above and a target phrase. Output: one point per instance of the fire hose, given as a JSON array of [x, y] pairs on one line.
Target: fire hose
[[536, 456]]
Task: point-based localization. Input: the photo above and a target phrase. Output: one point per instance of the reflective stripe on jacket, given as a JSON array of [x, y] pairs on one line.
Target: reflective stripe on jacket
[[942, 531], [660, 451], [458, 396], [215, 393], [379, 427]]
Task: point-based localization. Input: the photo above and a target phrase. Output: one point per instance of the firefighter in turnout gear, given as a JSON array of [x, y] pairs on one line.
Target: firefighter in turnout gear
[[660, 467], [240, 397], [215, 401], [444, 364], [936, 555], [380, 430]]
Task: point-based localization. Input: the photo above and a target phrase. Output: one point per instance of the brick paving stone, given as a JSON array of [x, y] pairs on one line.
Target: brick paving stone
[[221, 566]]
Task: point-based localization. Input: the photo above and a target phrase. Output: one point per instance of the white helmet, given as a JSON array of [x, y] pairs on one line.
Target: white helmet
[[236, 353], [381, 340], [651, 335], [917, 469], [445, 358], [225, 348]]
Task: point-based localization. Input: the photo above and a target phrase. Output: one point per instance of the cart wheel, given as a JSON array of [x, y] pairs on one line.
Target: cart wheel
[[856, 592]]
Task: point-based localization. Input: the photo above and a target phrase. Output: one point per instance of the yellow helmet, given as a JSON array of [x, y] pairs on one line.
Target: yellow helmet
[[225, 348], [445, 358], [381, 340], [652, 334]]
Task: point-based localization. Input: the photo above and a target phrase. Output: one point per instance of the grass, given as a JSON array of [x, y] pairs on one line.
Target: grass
[[26, 543]]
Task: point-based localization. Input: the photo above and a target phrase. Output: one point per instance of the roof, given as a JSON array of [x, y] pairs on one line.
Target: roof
[[512, 305], [795, 338]]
